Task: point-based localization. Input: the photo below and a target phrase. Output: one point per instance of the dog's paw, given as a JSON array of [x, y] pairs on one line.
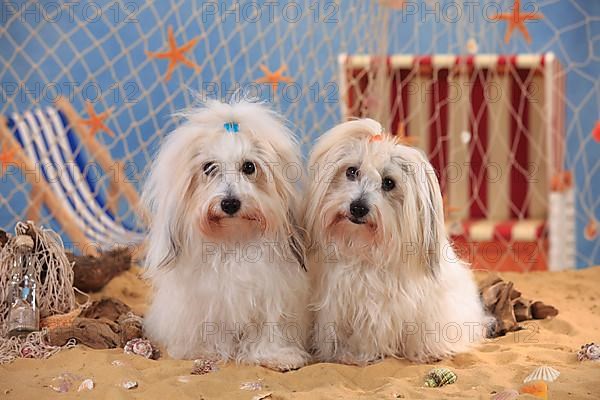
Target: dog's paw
[[285, 360]]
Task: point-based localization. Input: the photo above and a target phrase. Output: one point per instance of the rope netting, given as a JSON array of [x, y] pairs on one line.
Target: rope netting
[[126, 67], [53, 274]]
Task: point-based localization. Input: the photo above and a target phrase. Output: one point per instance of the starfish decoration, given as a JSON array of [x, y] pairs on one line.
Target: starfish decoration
[[393, 4], [402, 138], [7, 157], [175, 54], [591, 230], [516, 20], [273, 78], [95, 122], [448, 209], [596, 132]]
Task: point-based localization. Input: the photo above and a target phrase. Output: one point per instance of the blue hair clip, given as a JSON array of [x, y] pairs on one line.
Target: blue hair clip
[[232, 127]]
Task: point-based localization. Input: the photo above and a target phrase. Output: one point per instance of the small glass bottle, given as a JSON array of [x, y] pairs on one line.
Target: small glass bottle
[[24, 315]]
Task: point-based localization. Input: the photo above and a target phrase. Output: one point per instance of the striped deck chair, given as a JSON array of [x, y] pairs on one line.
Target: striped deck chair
[[48, 143], [493, 128]]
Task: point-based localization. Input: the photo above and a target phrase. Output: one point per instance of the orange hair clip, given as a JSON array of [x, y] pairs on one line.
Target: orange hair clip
[[376, 138]]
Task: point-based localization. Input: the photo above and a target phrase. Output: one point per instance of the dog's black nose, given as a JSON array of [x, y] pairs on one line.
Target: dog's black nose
[[358, 209], [230, 205]]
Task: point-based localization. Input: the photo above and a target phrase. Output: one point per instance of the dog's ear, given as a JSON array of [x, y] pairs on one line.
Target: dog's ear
[[434, 230], [162, 194]]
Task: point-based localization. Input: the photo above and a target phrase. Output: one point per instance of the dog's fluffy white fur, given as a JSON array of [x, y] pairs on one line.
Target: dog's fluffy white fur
[[228, 285], [387, 283]]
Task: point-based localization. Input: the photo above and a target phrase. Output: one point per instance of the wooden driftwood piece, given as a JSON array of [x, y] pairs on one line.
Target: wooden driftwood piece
[[3, 238], [93, 273], [94, 333], [104, 324], [504, 311], [131, 327], [540, 310], [505, 303], [522, 309], [107, 308]]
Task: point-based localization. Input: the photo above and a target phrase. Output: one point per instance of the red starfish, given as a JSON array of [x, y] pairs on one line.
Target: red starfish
[[596, 132], [95, 122], [516, 20], [273, 78], [175, 54]]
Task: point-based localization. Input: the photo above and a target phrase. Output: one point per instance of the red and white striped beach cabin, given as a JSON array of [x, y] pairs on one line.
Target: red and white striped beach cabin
[[493, 128]]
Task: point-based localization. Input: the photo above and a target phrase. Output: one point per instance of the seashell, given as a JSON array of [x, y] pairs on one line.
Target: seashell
[[202, 367], [438, 377], [536, 388], [128, 384], [589, 351], [60, 320], [117, 363], [262, 396], [543, 373], [87, 384], [60, 385], [63, 382], [507, 394], [141, 347], [256, 385], [184, 378]]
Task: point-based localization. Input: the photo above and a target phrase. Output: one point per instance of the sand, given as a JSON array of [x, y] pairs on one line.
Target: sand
[[495, 365]]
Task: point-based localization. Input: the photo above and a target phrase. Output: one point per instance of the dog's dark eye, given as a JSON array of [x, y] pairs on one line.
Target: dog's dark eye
[[388, 184], [209, 168], [352, 173], [248, 168]]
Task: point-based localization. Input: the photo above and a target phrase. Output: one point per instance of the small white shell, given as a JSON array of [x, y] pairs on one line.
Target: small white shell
[[507, 394], [141, 347], [543, 373], [87, 384], [256, 385], [262, 396], [129, 384], [184, 378]]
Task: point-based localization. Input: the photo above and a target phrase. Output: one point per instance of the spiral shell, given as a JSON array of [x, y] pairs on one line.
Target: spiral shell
[[141, 347], [589, 351], [507, 394], [438, 377], [543, 373], [202, 367]]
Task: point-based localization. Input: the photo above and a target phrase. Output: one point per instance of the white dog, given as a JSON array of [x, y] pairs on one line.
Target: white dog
[[386, 281], [224, 255]]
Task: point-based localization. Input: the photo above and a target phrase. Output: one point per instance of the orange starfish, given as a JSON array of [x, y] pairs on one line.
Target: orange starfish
[[402, 138], [175, 54], [273, 78], [7, 157], [516, 20], [95, 122]]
